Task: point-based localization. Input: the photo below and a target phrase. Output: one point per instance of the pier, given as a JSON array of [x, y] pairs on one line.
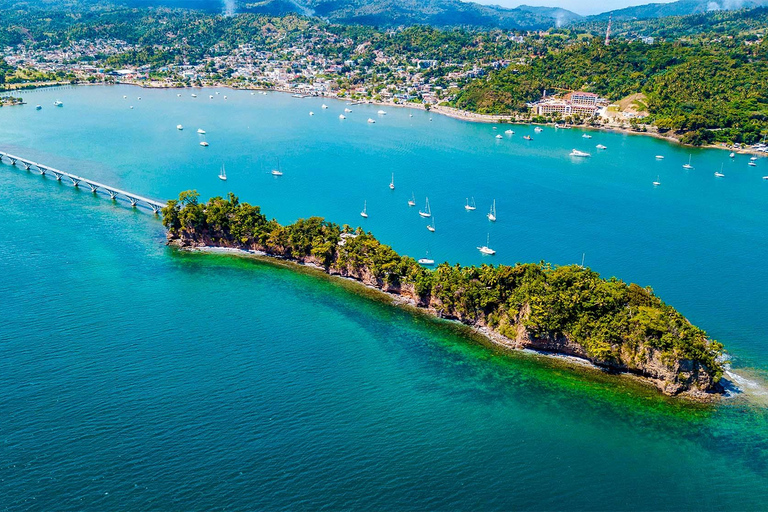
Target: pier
[[115, 194]]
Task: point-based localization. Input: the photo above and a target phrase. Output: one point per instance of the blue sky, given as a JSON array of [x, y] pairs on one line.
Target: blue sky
[[579, 6]]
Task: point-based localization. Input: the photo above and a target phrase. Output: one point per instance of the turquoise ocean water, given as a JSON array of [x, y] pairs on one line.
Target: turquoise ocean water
[[135, 377]]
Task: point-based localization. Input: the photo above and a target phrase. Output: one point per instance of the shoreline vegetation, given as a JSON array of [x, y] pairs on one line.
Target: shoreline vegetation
[[566, 311]]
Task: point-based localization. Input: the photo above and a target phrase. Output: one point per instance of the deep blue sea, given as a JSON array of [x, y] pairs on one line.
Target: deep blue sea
[[135, 377]]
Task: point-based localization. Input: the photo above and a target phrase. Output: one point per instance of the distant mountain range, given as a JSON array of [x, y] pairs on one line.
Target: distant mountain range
[[438, 13], [679, 8]]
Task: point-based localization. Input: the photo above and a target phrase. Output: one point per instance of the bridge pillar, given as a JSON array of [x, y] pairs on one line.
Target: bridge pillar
[[58, 176], [75, 181], [27, 165], [112, 194], [94, 188], [42, 170], [13, 161], [155, 208], [133, 201]]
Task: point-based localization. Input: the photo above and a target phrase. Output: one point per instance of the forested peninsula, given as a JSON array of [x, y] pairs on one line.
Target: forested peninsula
[[567, 310]]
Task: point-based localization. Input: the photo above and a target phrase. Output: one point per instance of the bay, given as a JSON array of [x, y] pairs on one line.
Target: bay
[[136, 377]]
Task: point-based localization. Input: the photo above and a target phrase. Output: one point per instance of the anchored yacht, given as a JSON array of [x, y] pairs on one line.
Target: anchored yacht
[[485, 249]]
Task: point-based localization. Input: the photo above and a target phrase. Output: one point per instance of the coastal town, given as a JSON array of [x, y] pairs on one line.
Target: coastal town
[[297, 69]]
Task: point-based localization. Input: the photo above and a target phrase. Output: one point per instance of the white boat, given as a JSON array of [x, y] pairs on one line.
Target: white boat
[[178, 95], [139, 98], [364, 213], [131, 107], [381, 113], [499, 136], [225, 97], [264, 93], [427, 260], [719, 174], [58, 103], [509, 132], [39, 107], [210, 96], [179, 127], [392, 183], [277, 172], [578, 153], [538, 129], [732, 155], [492, 214], [600, 146], [201, 131], [223, 173], [324, 106], [470, 207], [412, 200], [485, 249], [752, 164], [427, 211], [347, 110], [659, 157], [586, 136], [753, 158], [311, 113], [125, 97], [371, 120], [431, 227], [217, 93], [688, 165], [657, 182], [194, 95], [342, 116], [410, 115], [204, 144], [765, 177]]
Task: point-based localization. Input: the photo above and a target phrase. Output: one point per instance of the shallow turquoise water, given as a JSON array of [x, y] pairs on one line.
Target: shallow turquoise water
[[135, 377]]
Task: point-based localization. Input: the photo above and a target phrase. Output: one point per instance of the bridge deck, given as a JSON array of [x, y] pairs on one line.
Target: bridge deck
[[152, 203]]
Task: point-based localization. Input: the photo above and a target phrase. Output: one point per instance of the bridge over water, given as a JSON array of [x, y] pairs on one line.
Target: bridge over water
[[114, 193]]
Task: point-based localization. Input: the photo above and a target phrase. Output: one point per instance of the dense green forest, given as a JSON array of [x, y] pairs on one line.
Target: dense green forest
[[615, 323]]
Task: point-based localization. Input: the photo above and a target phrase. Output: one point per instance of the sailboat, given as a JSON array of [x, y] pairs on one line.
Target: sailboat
[[392, 183], [688, 165], [277, 172], [427, 212], [200, 131], [364, 213], [427, 260], [492, 213], [431, 227], [485, 249], [657, 182], [223, 173], [470, 207], [720, 174], [412, 200]]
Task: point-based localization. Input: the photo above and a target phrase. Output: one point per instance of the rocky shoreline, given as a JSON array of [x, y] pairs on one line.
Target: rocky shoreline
[[655, 371]]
